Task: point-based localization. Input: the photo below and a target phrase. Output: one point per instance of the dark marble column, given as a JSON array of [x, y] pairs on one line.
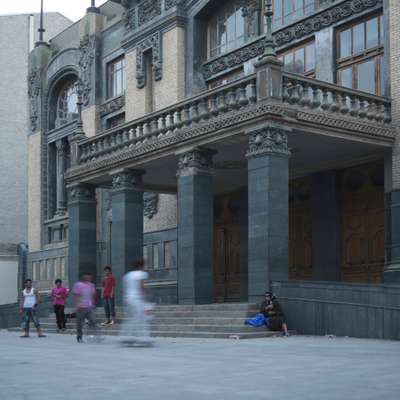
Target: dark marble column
[[62, 149], [82, 231], [268, 201], [195, 227], [127, 223], [326, 236]]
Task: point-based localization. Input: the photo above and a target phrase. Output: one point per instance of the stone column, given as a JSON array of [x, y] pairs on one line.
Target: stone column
[[326, 236], [195, 227], [127, 223], [268, 198], [82, 231], [62, 149]]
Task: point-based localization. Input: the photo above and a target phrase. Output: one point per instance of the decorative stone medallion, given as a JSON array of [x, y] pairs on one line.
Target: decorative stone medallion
[[150, 204]]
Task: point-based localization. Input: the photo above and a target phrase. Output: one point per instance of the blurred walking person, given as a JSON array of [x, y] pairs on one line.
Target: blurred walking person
[[135, 329], [28, 308], [107, 294], [59, 294], [84, 293]]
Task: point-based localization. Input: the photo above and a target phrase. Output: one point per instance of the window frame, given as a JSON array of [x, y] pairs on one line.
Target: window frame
[[308, 73], [375, 53], [283, 17], [111, 90]]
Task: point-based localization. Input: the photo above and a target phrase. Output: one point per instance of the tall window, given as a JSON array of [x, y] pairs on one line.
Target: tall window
[[116, 77], [288, 11], [300, 60], [226, 29], [360, 56], [66, 104]]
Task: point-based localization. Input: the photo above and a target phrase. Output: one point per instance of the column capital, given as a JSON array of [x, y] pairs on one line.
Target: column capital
[[81, 192], [62, 147], [127, 179], [195, 162], [268, 140]]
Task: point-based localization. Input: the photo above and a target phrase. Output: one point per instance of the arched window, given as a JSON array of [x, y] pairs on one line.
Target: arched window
[[66, 103]]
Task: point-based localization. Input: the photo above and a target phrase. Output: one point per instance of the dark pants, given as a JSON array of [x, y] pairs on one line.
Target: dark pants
[[81, 315], [28, 315], [109, 307], [60, 316]]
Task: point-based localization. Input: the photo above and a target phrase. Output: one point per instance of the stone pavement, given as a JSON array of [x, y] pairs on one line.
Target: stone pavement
[[294, 368]]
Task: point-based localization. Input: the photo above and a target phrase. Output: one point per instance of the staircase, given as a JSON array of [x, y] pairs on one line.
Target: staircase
[[225, 320]]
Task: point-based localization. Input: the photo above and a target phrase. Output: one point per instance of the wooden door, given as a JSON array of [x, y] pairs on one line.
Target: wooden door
[[226, 255], [363, 224], [300, 229]]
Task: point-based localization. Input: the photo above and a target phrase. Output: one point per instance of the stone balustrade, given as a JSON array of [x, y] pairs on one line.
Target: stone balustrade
[[171, 120], [333, 99]]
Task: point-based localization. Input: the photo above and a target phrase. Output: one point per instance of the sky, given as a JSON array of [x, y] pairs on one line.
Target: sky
[[73, 9]]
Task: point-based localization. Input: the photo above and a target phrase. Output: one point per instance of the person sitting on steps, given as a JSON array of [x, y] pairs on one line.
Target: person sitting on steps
[[273, 314]]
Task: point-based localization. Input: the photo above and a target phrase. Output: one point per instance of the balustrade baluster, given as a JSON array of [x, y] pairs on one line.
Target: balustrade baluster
[[353, 106], [179, 122], [371, 110], [213, 106], [325, 99], [163, 124], [335, 104], [253, 92], [242, 98], [380, 109], [387, 114], [232, 103], [186, 120], [222, 106], [305, 95], [344, 109], [316, 102], [171, 121], [294, 94], [203, 109], [194, 113], [362, 112]]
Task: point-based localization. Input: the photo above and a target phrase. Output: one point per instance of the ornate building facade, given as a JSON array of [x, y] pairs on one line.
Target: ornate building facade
[[228, 156]]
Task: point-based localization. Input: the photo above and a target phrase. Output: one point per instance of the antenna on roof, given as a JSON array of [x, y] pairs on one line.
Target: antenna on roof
[[41, 30], [92, 7]]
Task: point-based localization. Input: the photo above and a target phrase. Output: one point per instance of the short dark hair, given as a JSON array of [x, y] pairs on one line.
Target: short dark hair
[[58, 281], [28, 280], [107, 268], [138, 264], [82, 274]]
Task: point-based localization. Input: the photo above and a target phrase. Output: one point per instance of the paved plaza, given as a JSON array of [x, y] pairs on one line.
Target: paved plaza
[[320, 368]]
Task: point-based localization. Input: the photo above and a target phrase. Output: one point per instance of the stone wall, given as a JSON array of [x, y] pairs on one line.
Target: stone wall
[[341, 309]]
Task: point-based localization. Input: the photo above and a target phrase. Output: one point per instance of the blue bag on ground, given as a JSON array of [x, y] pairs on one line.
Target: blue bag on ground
[[257, 321]]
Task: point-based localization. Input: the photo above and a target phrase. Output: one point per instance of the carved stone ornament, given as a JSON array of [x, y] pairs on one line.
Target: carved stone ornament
[[129, 19], [198, 161], [81, 192], [150, 204], [127, 180], [147, 10], [174, 3], [268, 140], [87, 50], [250, 8], [154, 43], [303, 28], [112, 105], [33, 93]]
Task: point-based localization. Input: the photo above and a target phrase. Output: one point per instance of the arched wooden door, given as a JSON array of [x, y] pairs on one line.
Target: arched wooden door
[[226, 252], [363, 224]]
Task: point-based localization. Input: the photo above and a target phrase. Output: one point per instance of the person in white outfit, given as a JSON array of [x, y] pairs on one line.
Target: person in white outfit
[[29, 301], [135, 328]]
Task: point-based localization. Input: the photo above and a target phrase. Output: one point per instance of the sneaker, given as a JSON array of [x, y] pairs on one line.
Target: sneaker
[[111, 322], [105, 323], [79, 339]]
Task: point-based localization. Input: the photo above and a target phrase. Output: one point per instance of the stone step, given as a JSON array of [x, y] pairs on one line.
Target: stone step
[[239, 334], [167, 321]]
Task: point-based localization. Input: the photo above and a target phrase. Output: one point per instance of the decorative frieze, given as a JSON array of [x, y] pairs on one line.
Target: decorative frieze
[[150, 204], [173, 3], [127, 179], [197, 161], [269, 139], [296, 31], [81, 192], [129, 19], [112, 105], [148, 10], [87, 50], [152, 43], [33, 93]]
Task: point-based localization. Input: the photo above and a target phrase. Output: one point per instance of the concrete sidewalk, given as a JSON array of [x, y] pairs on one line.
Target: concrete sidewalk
[[294, 368]]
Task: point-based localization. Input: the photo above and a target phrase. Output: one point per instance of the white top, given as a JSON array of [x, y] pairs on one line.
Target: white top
[[29, 298], [132, 285]]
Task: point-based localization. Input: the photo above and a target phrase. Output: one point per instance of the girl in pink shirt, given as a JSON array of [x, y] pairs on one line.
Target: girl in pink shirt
[[59, 294]]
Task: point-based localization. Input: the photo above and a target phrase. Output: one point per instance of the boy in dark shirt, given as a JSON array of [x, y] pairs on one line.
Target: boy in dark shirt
[[274, 316], [108, 295]]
